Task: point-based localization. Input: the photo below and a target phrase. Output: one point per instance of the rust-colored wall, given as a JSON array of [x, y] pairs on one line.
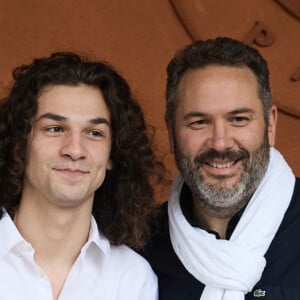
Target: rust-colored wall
[[139, 37]]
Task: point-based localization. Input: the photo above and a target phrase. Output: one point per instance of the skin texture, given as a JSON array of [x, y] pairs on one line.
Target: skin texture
[[68, 148], [219, 112]]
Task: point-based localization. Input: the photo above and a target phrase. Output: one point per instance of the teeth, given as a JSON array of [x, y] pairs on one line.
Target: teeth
[[221, 166]]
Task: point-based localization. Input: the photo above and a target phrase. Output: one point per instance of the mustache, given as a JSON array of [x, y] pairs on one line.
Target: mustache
[[210, 155]]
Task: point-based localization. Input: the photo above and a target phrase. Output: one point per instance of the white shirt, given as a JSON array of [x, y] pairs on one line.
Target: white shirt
[[101, 271]]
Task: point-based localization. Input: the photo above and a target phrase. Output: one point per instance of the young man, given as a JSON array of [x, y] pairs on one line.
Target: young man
[[230, 229], [75, 165]]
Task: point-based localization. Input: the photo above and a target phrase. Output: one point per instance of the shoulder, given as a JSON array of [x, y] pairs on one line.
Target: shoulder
[[159, 251], [294, 207], [160, 235], [134, 273], [297, 187], [127, 256], [163, 220], [283, 264], [119, 259], [291, 221], [130, 261]]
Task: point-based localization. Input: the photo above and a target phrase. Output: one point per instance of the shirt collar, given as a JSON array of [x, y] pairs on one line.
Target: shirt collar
[[96, 238], [10, 236]]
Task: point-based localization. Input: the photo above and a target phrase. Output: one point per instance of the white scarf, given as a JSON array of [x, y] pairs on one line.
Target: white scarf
[[230, 269]]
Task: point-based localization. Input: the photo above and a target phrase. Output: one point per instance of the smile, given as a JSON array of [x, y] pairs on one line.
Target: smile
[[222, 165], [72, 171]]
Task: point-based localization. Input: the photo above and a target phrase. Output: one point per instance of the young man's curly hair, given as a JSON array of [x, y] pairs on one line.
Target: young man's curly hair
[[123, 205]]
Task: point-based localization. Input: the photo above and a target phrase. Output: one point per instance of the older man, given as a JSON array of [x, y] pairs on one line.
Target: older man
[[229, 230]]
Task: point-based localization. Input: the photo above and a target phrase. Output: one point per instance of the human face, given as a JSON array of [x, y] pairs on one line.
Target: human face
[[69, 146], [219, 135]]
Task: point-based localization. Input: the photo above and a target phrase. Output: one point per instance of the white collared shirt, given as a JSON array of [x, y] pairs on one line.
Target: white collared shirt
[[101, 271]]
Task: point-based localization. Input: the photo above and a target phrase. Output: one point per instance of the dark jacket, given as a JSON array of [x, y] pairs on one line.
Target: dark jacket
[[280, 279]]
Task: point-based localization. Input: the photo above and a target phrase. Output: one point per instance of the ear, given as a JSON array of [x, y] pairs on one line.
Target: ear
[[170, 134], [272, 125]]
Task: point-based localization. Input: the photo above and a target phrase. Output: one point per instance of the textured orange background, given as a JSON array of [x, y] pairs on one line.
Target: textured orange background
[[139, 37]]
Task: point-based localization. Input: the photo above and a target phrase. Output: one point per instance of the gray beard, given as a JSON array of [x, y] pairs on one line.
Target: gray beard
[[219, 198]]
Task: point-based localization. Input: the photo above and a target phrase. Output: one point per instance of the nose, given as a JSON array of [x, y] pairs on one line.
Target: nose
[[73, 146], [220, 138]]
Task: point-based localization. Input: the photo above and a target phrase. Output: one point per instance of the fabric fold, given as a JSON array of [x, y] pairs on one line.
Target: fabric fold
[[230, 268]]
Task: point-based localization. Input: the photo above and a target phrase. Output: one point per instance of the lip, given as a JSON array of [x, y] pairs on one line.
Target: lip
[[71, 172]]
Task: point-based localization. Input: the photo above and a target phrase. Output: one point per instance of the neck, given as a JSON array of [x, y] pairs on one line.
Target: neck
[[57, 236], [52, 227], [212, 219]]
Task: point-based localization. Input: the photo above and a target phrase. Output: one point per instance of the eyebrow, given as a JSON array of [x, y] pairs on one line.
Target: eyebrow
[[194, 114], [60, 118], [241, 111]]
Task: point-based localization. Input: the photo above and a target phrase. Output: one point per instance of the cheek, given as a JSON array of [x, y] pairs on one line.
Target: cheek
[[101, 157], [251, 140], [40, 155], [190, 142], [34, 167], [31, 155]]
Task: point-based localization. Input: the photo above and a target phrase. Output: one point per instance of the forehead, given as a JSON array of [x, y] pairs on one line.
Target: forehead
[[218, 87], [80, 101]]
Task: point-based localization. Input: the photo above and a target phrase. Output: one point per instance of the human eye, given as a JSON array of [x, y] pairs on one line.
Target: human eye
[[95, 133], [198, 123], [54, 129], [240, 121]]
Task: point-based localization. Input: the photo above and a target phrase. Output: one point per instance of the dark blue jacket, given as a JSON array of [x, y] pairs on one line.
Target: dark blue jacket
[[280, 279]]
